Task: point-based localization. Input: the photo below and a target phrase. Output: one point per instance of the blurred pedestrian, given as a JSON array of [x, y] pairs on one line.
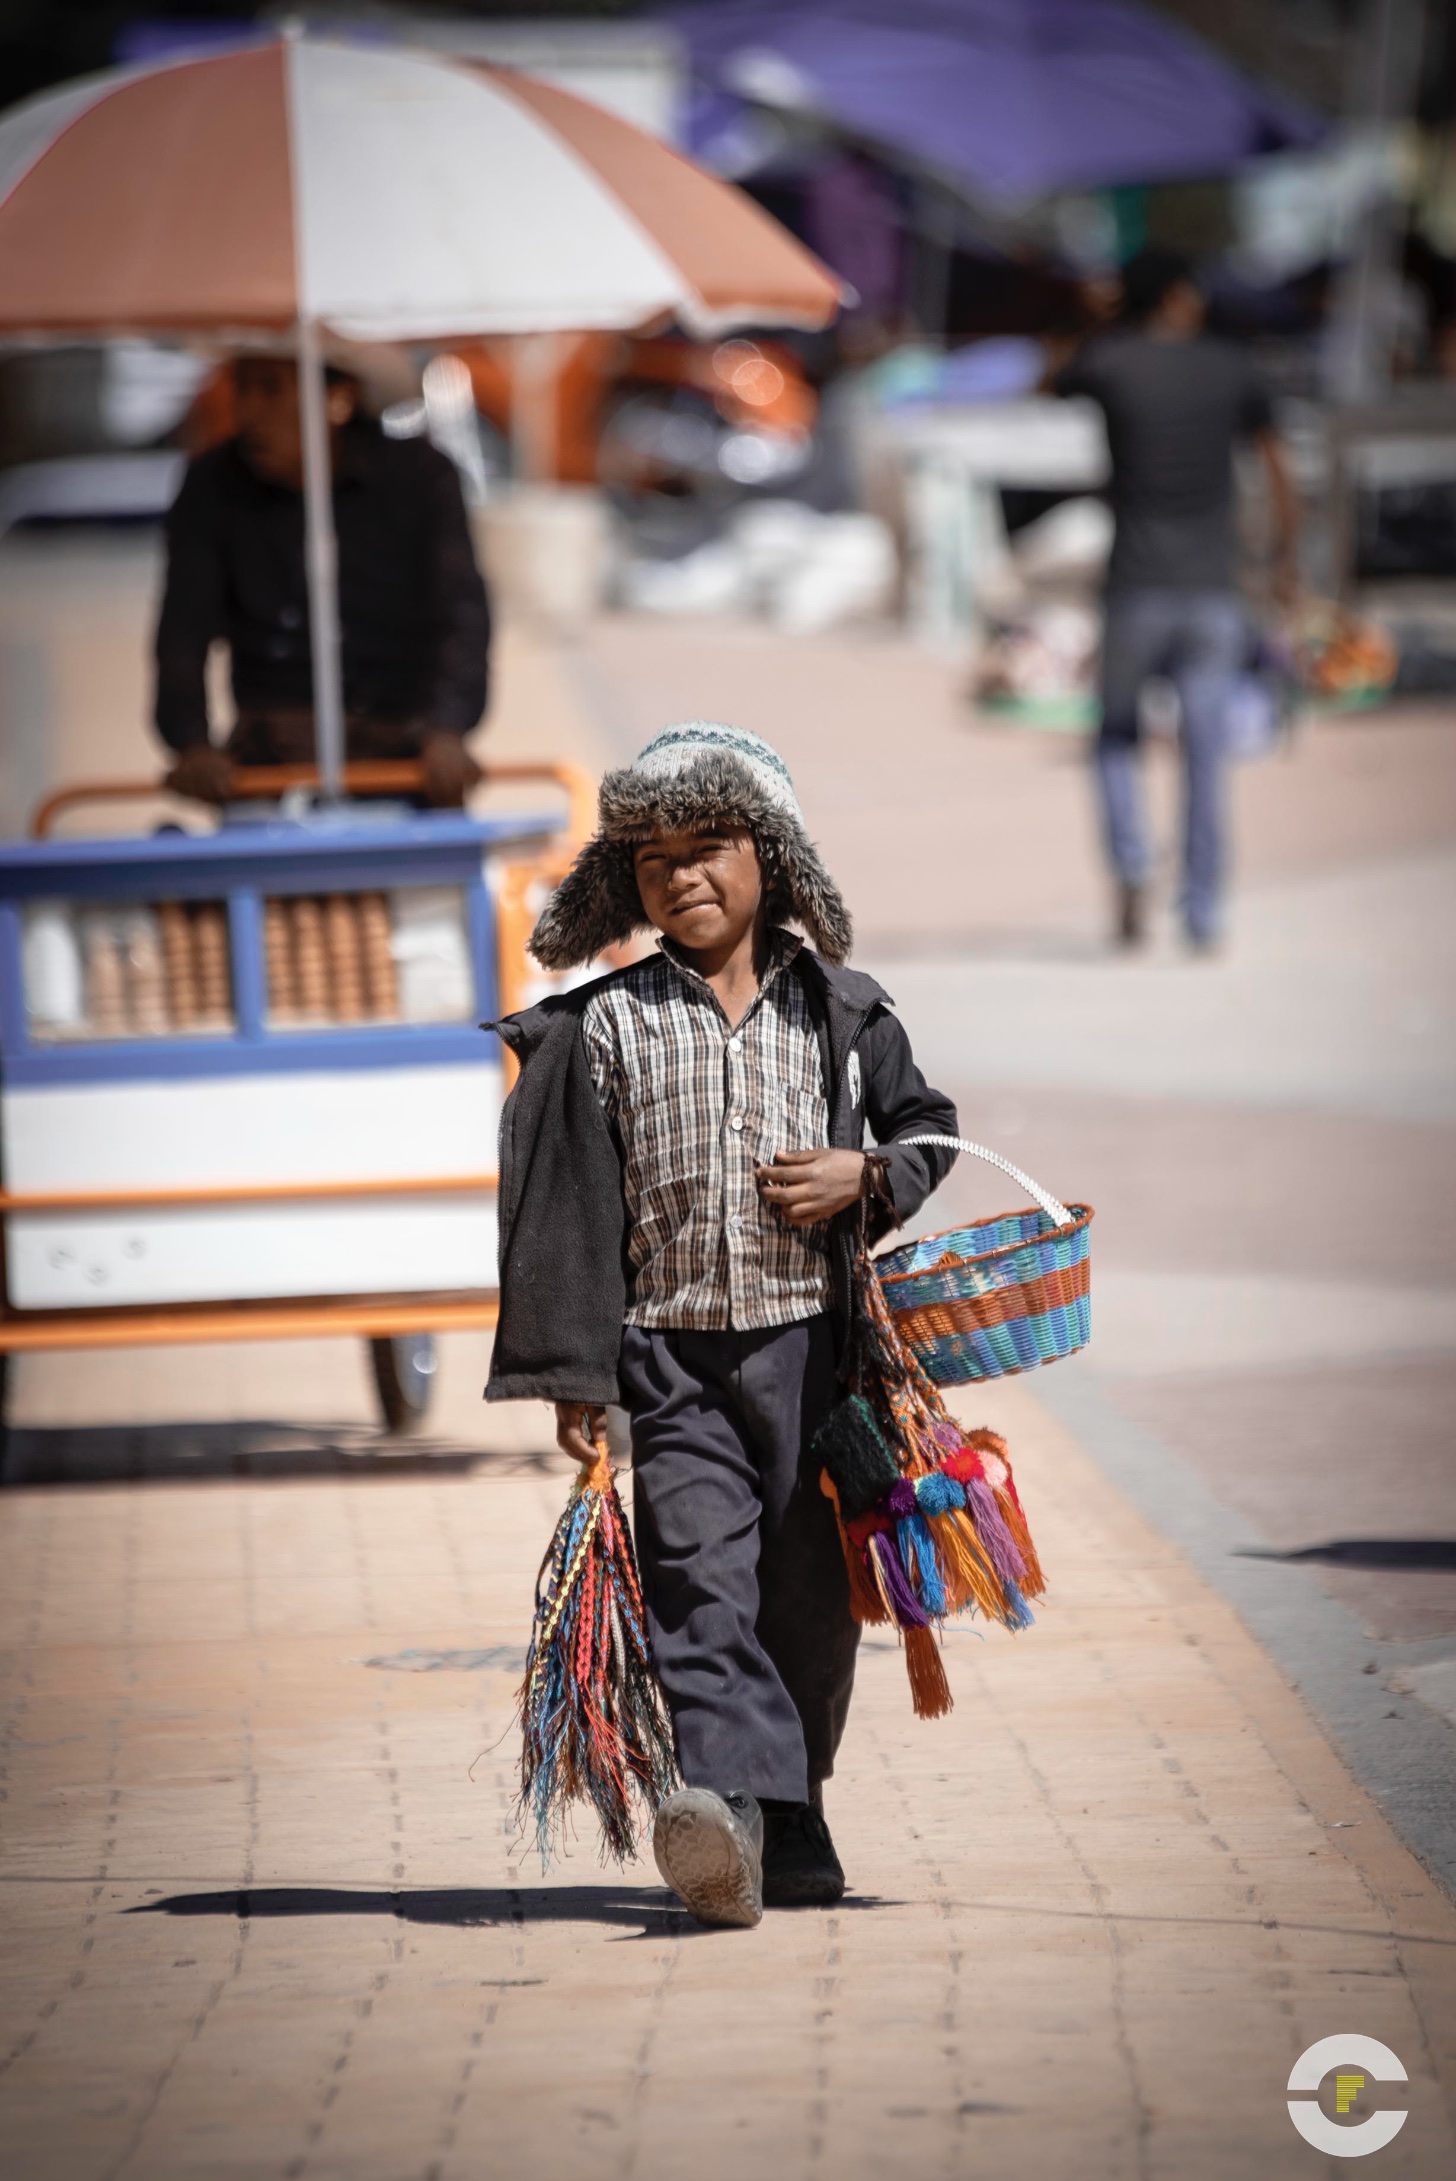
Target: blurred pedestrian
[[682, 1166], [1176, 403], [413, 615]]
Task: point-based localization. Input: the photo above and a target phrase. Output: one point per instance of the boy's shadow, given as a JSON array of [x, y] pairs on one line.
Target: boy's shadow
[[649, 1911]]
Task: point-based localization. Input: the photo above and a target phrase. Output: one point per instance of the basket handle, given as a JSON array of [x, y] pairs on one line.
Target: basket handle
[[1056, 1213]]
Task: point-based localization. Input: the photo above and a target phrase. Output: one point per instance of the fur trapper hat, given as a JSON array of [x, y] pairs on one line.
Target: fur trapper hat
[[688, 779]]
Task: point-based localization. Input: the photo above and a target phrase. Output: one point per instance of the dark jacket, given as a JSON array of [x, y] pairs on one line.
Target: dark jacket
[[563, 1217], [412, 608]]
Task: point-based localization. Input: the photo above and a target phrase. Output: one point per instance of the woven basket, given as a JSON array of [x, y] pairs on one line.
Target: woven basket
[[997, 1297]]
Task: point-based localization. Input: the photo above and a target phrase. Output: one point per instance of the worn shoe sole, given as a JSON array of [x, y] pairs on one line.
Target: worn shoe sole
[[704, 1854]]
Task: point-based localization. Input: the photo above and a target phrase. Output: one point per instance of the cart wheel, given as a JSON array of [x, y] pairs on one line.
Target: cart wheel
[[404, 1373]]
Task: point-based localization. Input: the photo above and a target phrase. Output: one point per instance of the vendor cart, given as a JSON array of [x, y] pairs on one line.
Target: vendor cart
[[244, 1090]]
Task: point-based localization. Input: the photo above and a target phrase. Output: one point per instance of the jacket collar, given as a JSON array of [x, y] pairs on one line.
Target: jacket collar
[[841, 998]]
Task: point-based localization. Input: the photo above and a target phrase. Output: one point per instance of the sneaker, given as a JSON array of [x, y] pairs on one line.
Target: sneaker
[[709, 1849], [800, 1867]]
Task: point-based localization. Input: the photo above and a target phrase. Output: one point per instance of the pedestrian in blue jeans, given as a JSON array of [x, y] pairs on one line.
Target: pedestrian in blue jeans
[[1176, 404]]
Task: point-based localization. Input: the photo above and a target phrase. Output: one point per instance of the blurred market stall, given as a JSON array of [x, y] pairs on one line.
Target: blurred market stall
[[1017, 99], [244, 1092]]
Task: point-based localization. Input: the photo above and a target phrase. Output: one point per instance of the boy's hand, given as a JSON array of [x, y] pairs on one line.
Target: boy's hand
[[575, 1440], [805, 1187]]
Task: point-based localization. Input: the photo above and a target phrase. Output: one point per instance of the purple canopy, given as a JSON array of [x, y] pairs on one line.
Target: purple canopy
[[1018, 98]]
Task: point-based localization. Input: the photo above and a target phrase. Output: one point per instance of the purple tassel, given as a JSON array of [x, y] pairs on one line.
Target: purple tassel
[[906, 1606], [999, 1545]]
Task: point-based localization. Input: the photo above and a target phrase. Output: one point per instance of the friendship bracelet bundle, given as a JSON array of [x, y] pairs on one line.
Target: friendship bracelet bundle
[[593, 1722]]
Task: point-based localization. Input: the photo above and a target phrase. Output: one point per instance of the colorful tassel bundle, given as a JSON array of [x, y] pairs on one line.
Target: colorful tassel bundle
[[928, 1514], [594, 1725]]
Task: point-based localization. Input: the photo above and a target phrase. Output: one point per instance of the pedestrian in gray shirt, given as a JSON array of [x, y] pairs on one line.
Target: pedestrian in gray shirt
[[1176, 403]]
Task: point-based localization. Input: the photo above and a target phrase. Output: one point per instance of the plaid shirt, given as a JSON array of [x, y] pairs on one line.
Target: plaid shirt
[[697, 1105]]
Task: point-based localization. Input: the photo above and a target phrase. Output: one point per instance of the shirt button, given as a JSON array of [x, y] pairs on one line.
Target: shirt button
[[734, 1224], [734, 1043]]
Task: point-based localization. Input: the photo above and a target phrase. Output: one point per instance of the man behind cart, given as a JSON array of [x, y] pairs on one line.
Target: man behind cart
[[413, 614]]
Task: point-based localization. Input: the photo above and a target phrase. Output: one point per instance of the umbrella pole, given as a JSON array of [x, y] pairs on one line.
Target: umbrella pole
[[321, 560]]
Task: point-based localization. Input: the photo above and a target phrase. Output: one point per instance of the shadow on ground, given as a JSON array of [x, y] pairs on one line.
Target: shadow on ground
[[635, 1906], [1415, 1553], [130, 1454]]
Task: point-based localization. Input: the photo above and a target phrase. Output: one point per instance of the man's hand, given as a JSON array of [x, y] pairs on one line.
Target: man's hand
[[203, 772], [807, 1186], [449, 770], [578, 1423]]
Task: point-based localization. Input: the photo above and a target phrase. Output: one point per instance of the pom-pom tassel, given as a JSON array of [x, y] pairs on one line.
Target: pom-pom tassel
[[996, 1540], [917, 1550], [1018, 1613], [1033, 1582], [905, 1607], [929, 1689]]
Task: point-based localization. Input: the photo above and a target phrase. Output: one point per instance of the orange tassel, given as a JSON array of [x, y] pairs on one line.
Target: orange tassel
[[953, 1573], [874, 1574], [866, 1600], [929, 1689], [1015, 1520], [980, 1580]]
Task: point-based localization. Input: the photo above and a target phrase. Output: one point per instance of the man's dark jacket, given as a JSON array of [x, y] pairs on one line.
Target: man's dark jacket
[[563, 1216], [414, 622]]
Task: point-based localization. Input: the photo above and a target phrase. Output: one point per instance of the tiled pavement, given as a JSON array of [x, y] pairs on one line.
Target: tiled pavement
[[261, 1920], [265, 1914]]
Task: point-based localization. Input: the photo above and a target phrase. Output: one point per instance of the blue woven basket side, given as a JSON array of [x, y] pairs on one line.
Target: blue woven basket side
[[1001, 1351], [972, 1241], [986, 1275]]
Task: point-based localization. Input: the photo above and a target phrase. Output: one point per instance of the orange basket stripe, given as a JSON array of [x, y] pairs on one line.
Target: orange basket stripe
[[1003, 1306]]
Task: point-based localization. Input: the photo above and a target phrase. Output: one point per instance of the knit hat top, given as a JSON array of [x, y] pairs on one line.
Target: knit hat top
[[672, 752], [695, 777]]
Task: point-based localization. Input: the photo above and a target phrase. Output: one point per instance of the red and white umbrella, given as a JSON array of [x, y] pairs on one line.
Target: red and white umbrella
[[307, 186]]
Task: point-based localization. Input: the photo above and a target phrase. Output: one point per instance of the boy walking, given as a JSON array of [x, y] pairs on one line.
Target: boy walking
[[681, 1168]]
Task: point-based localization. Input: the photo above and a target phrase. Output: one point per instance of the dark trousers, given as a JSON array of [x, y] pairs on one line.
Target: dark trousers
[[742, 1570]]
